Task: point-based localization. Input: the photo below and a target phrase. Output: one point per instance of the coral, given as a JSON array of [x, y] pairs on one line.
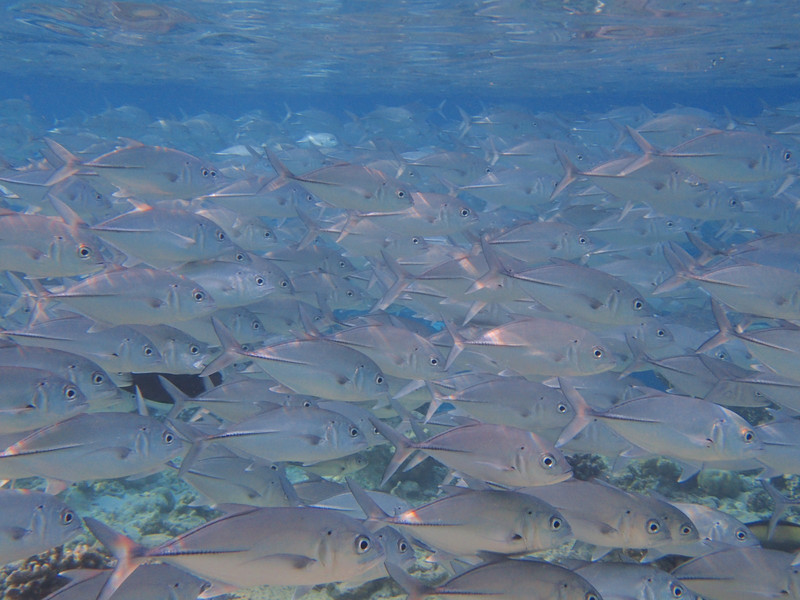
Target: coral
[[38, 576]]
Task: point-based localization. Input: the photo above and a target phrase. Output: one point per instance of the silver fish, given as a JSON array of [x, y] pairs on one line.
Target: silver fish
[[137, 296], [313, 367], [504, 455], [504, 580], [621, 581], [34, 398], [32, 522], [467, 522], [148, 582], [257, 546], [91, 446]]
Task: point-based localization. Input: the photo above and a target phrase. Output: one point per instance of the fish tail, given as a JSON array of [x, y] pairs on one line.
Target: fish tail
[[583, 413], [198, 442], [62, 158], [458, 345], [640, 361], [128, 553], [681, 263], [276, 164], [312, 227], [782, 504], [415, 589], [179, 398], [231, 349], [403, 448], [376, 516], [725, 329], [571, 173], [403, 279]]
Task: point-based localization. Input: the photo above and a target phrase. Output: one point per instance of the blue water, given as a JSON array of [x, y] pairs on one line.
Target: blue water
[[572, 60]]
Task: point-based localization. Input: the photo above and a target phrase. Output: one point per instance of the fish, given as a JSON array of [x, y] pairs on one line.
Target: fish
[[153, 173], [500, 454], [91, 446], [313, 367], [621, 581], [507, 580], [606, 516], [584, 293], [91, 379], [740, 573], [160, 297], [351, 186], [148, 582], [694, 432], [717, 531], [223, 477], [32, 522], [466, 523], [537, 346], [34, 398], [42, 246], [163, 237], [304, 434], [256, 546]]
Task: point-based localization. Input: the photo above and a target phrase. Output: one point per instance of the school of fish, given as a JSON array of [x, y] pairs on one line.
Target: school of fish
[[506, 293]]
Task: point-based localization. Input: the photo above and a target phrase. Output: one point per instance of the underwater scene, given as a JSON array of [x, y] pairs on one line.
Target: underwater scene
[[347, 300]]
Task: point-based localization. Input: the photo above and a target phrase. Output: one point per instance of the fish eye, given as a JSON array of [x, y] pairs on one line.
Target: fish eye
[[70, 392], [732, 202], [661, 333], [598, 352], [434, 361], [562, 408], [555, 523], [349, 293], [97, 378], [402, 546], [284, 283], [379, 379], [465, 212], [198, 296], [267, 234], [259, 280], [415, 240], [67, 517], [591, 596], [670, 224], [220, 235], [353, 432], [677, 591], [204, 172], [687, 529], [342, 264], [582, 240], [653, 526], [168, 437], [749, 436], [362, 544], [193, 349], [638, 304], [787, 156], [148, 351], [401, 194], [84, 251], [255, 325], [488, 170], [240, 257], [741, 535], [548, 461]]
